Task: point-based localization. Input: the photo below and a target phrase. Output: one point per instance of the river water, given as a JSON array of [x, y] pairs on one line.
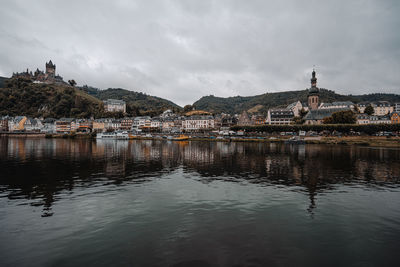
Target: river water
[[161, 203]]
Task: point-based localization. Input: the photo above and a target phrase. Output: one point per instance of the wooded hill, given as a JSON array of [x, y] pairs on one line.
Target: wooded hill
[[261, 103], [137, 103], [20, 96]]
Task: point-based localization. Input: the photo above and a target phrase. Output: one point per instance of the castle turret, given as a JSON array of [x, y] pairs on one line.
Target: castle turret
[[313, 93], [50, 69]]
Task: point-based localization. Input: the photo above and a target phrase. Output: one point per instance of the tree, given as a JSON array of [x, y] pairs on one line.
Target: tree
[[327, 120], [303, 112], [72, 82], [369, 110], [187, 108], [341, 117], [298, 120]]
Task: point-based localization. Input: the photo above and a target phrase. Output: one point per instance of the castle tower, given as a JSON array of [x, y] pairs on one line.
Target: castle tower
[[313, 93], [50, 69]]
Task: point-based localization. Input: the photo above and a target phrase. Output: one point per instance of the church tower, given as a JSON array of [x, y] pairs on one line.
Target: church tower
[[313, 93]]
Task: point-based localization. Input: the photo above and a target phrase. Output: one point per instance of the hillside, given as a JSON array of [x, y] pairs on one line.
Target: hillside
[[2, 81], [261, 103], [19, 96], [136, 101]]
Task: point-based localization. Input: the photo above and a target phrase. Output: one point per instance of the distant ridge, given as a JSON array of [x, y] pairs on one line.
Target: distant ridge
[[135, 100], [261, 103]]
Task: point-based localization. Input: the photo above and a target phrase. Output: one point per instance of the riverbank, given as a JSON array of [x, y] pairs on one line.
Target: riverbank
[[372, 141]]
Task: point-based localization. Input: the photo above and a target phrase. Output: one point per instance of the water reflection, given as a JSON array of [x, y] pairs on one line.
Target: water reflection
[[39, 169]]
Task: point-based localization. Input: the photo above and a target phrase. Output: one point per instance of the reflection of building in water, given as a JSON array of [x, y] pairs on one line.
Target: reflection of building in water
[[198, 154], [60, 164]]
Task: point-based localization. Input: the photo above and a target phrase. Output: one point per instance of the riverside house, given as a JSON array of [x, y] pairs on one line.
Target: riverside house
[[198, 122], [395, 117], [65, 125], [280, 116]]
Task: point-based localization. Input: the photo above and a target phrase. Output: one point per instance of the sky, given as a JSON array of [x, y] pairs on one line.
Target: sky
[[185, 49]]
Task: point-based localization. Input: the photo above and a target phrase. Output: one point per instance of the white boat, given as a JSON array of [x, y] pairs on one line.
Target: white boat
[[113, 135]]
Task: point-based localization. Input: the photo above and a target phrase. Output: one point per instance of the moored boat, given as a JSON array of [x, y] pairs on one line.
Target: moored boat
[[295, 140], [181, 137], [113, 135]]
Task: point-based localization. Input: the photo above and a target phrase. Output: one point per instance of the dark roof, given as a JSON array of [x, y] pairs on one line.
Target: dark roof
[[320, 114], [49, 120], [313, 90], [281, 113]]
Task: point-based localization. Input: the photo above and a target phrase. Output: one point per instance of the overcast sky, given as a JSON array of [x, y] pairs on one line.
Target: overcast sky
[[184, 49]]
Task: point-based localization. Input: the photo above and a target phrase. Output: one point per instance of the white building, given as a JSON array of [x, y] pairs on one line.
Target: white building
[[140, 122], [16, 123], [381, 108], [155, 123], [167, 125], [166, 114], [397, 108], [373, 119], [114, 105], [280, 116], [194, 123], [49, 125], [295, 107]]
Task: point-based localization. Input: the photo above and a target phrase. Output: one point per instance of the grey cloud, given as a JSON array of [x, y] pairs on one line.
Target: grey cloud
[[184, 49]]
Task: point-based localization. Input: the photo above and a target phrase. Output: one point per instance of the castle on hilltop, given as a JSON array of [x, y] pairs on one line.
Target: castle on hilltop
[[40, 76]]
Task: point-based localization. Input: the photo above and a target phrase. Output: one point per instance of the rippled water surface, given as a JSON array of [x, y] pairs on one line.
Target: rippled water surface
[[158, 203]]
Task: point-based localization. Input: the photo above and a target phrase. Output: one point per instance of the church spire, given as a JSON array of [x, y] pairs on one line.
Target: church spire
[[313, 93], [313, 79]]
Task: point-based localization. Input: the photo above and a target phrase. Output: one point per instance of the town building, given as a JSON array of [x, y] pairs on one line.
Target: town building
[[373, 119], [65, 125], [49, 125], [198, 122], [115, 124], [279, 117], [17, 123], [99, 125], [244, 119], [257, 120], [395, 117], [396, 107], [114, 105], [141, 122], [380, 107], [317, 116], [296, 108], [363, 119], [155, 124], [85, 126], [127, 123], [167, 114], [228, 121], [167, 125], [32, 125]]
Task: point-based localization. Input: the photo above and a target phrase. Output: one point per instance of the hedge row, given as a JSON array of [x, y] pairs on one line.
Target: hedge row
[[343, 128]]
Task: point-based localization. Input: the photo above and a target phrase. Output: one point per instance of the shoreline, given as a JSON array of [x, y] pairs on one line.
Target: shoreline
[[370, 141]]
